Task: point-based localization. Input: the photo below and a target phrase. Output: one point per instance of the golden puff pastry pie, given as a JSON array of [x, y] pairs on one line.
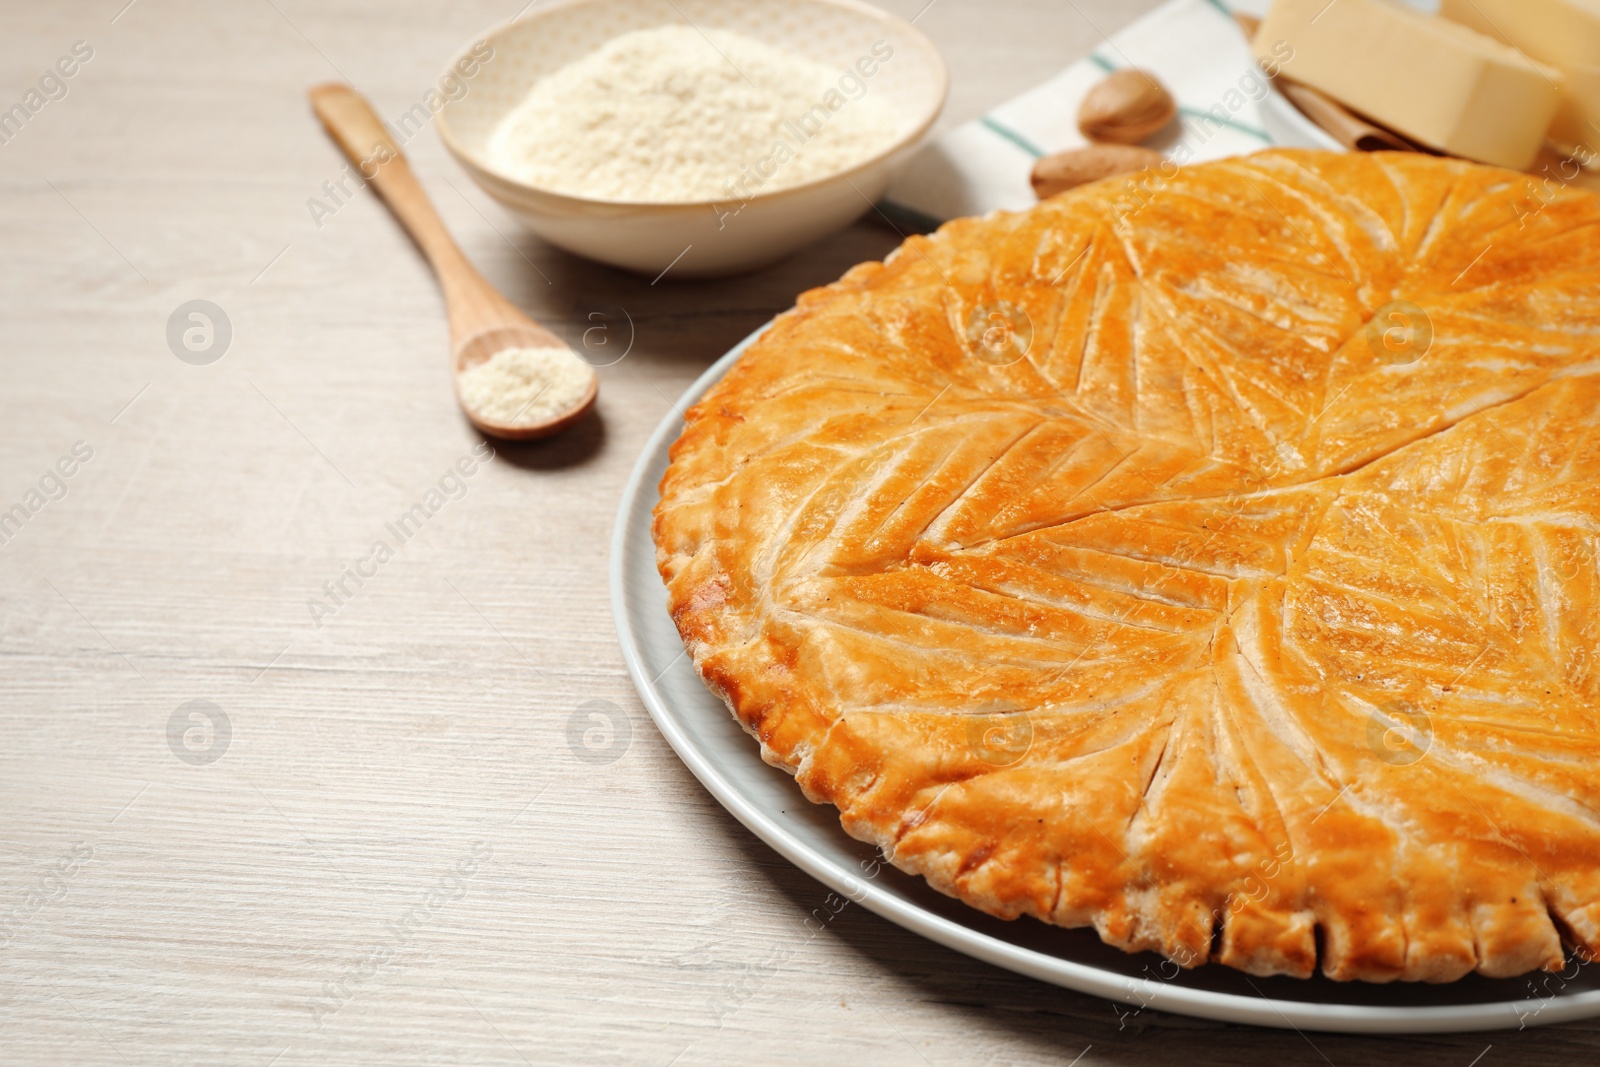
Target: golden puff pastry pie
[[1216, 567]]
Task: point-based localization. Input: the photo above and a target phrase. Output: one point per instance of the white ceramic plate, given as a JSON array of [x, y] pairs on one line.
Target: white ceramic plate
[[726, 760]]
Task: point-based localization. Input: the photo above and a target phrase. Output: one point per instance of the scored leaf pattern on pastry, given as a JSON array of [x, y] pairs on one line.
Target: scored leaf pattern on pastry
[[1208, 613]]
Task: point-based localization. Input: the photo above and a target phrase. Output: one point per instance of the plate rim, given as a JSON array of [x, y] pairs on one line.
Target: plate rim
[[1055, 970]]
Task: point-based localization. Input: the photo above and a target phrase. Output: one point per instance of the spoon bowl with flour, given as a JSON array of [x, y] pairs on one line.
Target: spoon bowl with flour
[[514, 379]]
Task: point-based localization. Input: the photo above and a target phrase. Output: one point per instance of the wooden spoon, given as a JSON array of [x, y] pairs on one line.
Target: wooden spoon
[[482, 322]]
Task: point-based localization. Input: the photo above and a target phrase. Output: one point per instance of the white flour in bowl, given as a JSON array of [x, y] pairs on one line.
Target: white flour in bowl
[[671, 115]]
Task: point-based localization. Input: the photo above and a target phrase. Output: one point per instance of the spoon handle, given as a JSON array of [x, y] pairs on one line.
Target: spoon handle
[[474, 306]]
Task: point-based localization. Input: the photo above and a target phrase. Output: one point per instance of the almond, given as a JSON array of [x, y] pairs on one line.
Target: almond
[[1125, 108], [1079, 166]]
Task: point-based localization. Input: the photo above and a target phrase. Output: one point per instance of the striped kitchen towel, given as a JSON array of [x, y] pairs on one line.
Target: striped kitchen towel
[[1193, 46]]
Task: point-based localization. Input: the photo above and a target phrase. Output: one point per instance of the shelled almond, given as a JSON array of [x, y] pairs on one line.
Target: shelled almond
[[1125, 107], [1078, 166]]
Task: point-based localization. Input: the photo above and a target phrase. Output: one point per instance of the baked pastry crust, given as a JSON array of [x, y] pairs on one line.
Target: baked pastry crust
[[1217, 568]]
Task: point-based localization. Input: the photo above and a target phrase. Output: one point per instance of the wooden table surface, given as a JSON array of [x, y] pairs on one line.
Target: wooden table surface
[[373, 840]]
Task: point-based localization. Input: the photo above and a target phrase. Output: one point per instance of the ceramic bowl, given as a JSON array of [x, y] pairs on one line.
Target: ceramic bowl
[[709, 237]]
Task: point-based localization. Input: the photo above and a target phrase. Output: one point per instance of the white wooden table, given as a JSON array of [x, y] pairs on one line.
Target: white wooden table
[[392, 853]]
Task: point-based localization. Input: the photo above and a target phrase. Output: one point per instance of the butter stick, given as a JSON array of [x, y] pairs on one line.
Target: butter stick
[[1563, 33], [1435, 81]]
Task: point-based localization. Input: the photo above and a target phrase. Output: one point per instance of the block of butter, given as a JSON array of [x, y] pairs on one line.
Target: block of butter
[[1433, 80], [1563, 33]]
